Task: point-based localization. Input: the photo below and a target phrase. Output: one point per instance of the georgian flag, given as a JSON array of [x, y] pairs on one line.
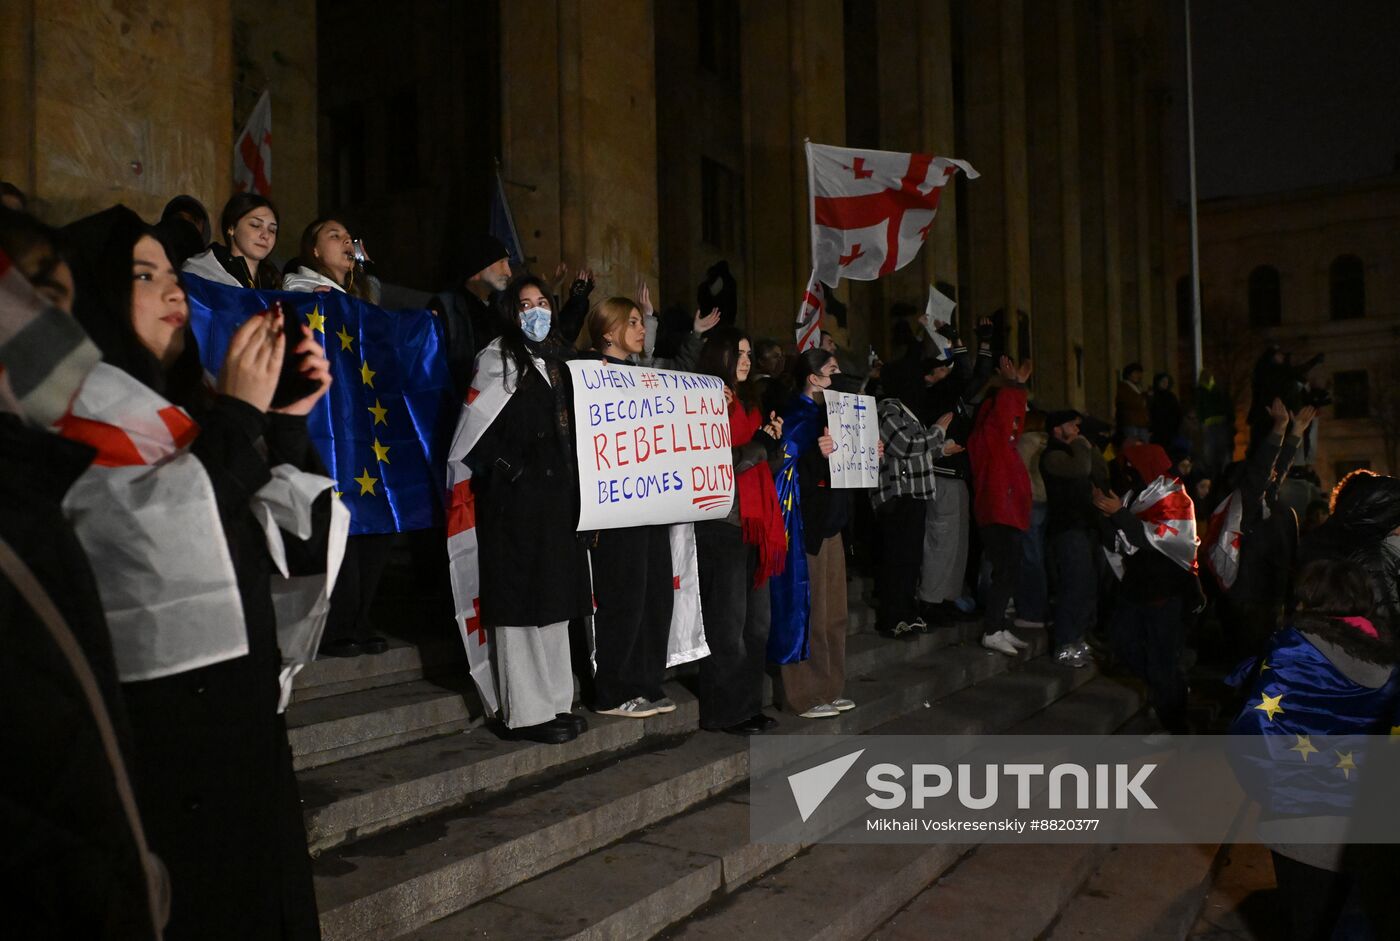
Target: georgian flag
[[1222, 540], [809, 314], [1169, 518], [252, 152], [872, 209]]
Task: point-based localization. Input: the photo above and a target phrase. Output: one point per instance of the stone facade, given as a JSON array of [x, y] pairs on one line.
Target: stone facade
[[1299, 236]]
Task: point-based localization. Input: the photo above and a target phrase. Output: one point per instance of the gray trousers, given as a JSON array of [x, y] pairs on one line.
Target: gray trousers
[[945, 542], [532, 665]]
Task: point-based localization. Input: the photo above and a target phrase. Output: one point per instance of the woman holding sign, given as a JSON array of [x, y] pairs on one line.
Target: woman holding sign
[[808, 634], [632, 578], [738, 554]]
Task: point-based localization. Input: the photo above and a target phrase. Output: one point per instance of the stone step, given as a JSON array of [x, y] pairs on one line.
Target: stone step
[[392, 883], [371, 791], [404, 660], [655, 878], [798, 901], [334, 728], [1141, 893]]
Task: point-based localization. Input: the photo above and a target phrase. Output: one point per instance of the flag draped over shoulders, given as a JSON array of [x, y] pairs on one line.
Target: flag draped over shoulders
[[791, 591], [383, 428]]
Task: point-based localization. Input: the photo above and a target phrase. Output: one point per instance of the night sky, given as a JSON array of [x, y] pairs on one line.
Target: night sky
[[1288, 94]]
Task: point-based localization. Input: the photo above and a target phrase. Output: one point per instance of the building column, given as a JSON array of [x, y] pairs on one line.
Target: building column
[[579, 134], [1112, 216]]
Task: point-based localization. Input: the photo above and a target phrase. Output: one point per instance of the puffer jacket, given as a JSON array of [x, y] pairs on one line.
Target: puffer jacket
[[1000, 483]]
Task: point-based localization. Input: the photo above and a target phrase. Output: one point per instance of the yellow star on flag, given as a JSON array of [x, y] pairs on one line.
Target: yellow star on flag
[[379, 412], [366, 483], [1304, 746], [381, 451], [1270, 705], [336, 494], [1395, 731], [1265, 666], [345, 338], [367, 375], [317, 321], [1345, 764]]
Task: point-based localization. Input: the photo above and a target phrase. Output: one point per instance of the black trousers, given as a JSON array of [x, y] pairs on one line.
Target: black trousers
[[901, 528], [1148, 639], [1002, 547], [356, 585], [1312, 898], [633, 590], [736, 626]]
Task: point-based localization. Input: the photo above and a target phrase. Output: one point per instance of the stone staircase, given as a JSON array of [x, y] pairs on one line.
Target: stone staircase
[[427, 825]]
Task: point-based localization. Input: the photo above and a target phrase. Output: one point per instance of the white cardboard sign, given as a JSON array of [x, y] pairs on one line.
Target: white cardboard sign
[[853, 423], [653, 446]]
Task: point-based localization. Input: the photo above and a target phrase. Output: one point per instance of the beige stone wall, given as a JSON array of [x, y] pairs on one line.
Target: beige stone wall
[[274, 47], [117, 102]]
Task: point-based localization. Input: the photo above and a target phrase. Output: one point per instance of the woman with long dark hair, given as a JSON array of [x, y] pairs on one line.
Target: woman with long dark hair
[[212, 764], [249, 226], [326, 262], [738, 554], [533, 565]]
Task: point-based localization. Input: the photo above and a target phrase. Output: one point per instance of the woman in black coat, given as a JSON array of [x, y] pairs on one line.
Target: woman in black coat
[[534, 566], [212, 764]]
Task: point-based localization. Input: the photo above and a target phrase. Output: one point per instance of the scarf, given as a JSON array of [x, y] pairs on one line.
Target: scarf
[[759, 516]]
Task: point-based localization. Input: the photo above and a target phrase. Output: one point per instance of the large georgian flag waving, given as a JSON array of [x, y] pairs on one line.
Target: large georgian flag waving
[[872, 209]]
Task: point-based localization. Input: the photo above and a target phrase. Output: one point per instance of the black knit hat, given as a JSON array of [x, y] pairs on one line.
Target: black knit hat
[[481, 252], [1062, 416]]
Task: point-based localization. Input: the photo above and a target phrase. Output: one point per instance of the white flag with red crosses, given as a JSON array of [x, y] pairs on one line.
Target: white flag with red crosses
[[252, 152], [872, 209], [809, 314]]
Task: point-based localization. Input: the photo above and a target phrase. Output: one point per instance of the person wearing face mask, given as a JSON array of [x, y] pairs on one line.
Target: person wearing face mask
[[249, 226], [631, 567], [516, 436], [737, 555], [212, 765], [808, 633], [326, 262]]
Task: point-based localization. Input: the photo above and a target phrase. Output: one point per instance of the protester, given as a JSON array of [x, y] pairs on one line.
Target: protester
[[249, 226], [1275, 377], [1331, 672], [808, 632], [1215, 412], [1154, 540], [1001, 506], [211, 759], [1365, 528], [1032, 599], [184, 229], [534, 566], [1131, 414], [12, 197], [1066, 468], [77, 863], [1164, 412], [907, 484], [36, 251], [737, 555], [326, 262], [631, 568]]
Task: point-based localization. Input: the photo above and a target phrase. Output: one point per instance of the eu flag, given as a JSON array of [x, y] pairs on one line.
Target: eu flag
[[382, 429]]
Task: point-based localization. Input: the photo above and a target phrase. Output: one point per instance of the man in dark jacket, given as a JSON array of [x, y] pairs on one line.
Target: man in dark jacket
[[1070, 524]]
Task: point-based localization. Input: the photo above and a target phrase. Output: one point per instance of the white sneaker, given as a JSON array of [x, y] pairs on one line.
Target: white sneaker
[[664, 705], [637, 708], [1072, 656], [999, 643], [843, 704], [824, 711], [1015, 641]]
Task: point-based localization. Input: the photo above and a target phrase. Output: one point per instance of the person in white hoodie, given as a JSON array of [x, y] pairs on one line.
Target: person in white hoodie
[[327, 262]]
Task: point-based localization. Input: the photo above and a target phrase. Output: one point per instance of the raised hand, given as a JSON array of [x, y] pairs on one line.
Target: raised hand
[[1023, 372], [1006, 368], [945, 420], [315, 366], [254, 361], [644, 298], [1279, 413], [706, 322], [826, 443], [1303, 419]]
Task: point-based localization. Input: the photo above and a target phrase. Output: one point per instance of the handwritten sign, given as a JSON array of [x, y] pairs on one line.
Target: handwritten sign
[[856, 461], [654, 446]]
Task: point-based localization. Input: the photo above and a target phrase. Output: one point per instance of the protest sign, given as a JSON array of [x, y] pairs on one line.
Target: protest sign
[[852, 421], [653, 445]]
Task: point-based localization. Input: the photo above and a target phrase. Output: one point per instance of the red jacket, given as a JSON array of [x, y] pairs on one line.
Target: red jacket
[[1001, 487]]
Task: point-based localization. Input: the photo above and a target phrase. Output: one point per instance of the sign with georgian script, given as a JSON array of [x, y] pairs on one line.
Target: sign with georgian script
[[654, 446], [852, 421]]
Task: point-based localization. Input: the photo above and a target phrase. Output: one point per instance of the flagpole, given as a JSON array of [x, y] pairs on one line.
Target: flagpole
[[1195, 228]]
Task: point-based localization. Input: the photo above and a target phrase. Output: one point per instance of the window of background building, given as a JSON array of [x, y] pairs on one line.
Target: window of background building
[[402, 159], [718, 34], [1265, 297], [1347, 283], [1351, 394], [719, 205]]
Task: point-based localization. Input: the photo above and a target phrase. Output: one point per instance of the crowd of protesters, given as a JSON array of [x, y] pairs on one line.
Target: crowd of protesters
[[174, 808]]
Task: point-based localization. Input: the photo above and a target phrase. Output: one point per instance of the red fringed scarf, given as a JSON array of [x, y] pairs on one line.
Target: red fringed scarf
[[759, 514]]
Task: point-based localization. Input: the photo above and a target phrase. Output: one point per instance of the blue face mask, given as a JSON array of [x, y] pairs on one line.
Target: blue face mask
[[535, 322]]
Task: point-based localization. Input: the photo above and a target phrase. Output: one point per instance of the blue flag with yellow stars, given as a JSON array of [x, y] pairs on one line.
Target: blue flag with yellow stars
[[383, 427]]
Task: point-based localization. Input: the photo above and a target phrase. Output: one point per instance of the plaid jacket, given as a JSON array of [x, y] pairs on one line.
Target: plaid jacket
[[910, 450]]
